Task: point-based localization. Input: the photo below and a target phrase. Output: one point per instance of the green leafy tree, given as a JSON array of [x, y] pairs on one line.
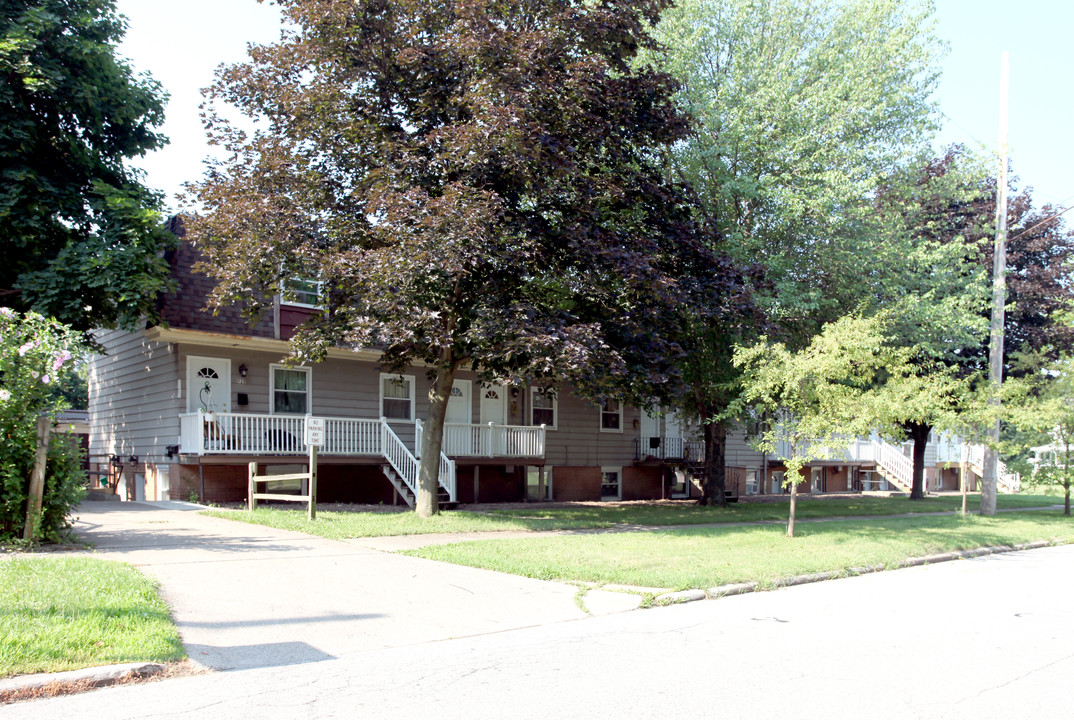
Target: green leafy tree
[[79, 233], [1043, 405], [945, 214], [33, 352], [802, 108], [937, 213], [818, 396], [475, 183]]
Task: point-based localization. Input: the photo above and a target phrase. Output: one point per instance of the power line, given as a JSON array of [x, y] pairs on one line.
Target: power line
[[971, 136], [1053, 216]]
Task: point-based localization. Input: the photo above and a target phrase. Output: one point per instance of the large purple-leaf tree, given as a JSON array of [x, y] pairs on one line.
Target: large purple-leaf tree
[[476, 183]]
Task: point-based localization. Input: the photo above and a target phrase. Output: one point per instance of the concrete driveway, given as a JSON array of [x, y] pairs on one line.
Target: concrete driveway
[[246, 596]]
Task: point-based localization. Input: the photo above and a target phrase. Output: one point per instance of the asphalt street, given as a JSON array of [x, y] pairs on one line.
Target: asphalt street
[[989, 637]]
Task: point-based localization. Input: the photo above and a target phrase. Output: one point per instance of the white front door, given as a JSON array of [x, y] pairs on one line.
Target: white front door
[[208, 382], [493, 410], [458, 435], [674, 425], [493, 405], [673, 440], [650, 428], [459, 407]]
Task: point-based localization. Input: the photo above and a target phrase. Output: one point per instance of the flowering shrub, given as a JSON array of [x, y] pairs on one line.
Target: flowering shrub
[[33, 351]]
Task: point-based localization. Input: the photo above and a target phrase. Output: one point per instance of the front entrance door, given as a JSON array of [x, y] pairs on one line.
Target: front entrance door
[[493, 405], [674, 444], [208, 382], [817, 475], [458, 435], [493, 410], [459, 408], [650, 430], [680, 484]]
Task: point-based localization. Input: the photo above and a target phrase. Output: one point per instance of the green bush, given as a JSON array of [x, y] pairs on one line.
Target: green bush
[[33, 351], [65, 487]]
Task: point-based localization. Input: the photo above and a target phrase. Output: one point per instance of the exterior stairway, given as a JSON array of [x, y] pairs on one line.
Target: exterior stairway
[[402, 470], [443, 496], [893, 465], [1006, 481]]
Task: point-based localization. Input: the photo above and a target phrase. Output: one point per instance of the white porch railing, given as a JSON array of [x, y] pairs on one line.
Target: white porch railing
[[670, 448], [251, 434], [493, 441], [890, 459], [399, 457], [1009, 481], [899, 468]]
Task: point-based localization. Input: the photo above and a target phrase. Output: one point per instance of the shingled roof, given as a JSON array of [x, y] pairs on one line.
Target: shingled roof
[[187, 307]]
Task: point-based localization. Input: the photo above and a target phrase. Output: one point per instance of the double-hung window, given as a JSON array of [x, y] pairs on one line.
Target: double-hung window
[[611, 416], [397, 397], [543, 408], [305, 292], [290, 390]]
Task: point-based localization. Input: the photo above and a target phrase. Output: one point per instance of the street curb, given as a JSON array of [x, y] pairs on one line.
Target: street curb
[[680, 597], [49, 684], [742, 588]]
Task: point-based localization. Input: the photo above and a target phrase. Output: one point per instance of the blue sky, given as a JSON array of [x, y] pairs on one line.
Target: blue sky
[[182, 44]]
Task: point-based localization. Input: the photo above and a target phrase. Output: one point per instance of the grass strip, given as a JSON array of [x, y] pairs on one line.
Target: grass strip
[[686, 557], [808, 508], [342, 525], [66, 613]]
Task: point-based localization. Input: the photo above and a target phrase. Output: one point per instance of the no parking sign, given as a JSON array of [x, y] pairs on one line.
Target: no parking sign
[[315, 431]]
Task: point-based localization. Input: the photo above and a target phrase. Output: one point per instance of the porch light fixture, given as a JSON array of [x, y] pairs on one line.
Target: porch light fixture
[[172, 450], [243, 371]]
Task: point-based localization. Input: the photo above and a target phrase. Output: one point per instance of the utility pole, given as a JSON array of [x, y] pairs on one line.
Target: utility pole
[[989, 483]]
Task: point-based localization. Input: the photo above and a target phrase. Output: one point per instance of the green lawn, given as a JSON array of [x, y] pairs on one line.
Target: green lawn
[[822, 507], [694, 557], [341, 525], [65, 613]]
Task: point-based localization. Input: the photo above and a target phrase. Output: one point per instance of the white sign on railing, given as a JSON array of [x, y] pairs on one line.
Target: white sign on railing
[[315, 431]]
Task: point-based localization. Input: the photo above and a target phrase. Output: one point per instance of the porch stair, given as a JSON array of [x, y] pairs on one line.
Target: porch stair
[[443, 496], [1006, 481], [402, 470], [893, 465], [695, 470]]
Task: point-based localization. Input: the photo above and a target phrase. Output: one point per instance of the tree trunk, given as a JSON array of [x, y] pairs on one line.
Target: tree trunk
[[794, 507], [432, 442], [37, 477], [962, 486], [919, 433], [715, 487], [1066, 479]]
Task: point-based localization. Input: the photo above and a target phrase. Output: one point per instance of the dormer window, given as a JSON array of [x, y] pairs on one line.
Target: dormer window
[[305, 292]]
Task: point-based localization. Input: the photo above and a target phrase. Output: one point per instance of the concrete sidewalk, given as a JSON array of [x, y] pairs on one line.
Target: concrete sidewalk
[[246, 596]]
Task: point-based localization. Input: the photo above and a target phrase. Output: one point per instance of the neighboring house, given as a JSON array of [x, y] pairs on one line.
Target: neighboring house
[[1055, 454], [865, 464], [180, 411]]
